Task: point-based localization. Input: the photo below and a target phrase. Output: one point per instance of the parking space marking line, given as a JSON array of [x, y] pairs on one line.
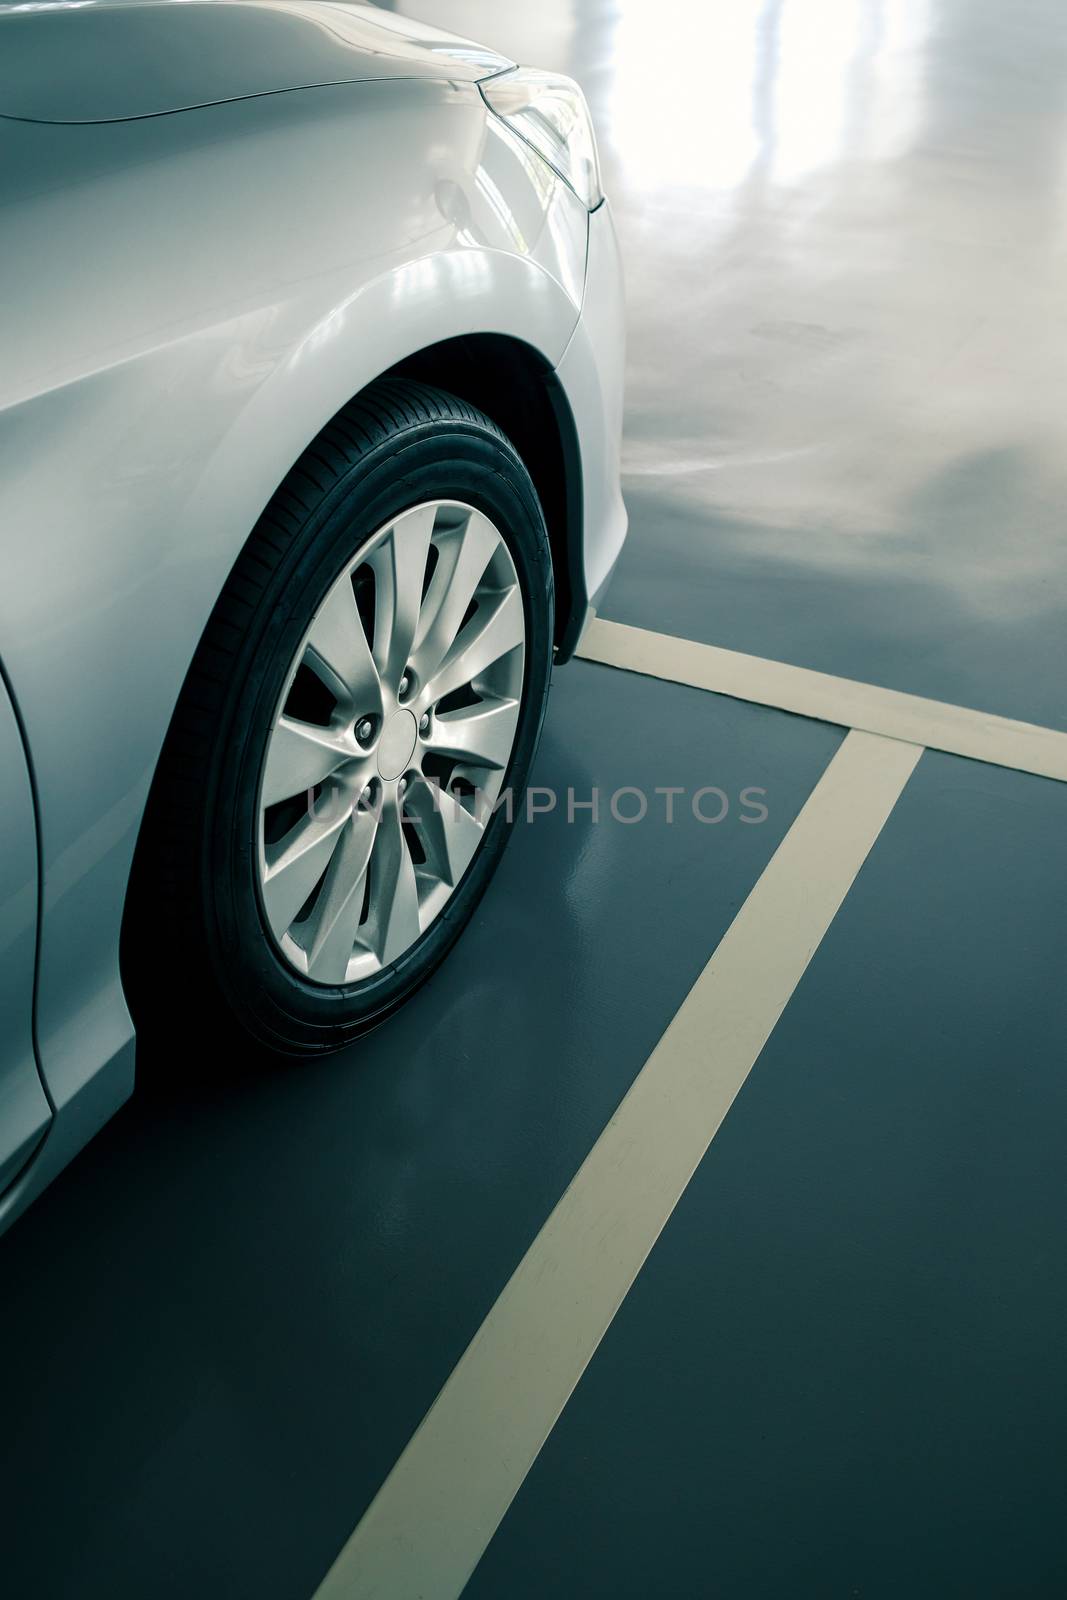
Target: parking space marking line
[[979, 735], [433, 1517]]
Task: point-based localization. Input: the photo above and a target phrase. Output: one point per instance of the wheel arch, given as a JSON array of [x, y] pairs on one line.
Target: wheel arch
[[518, 389]]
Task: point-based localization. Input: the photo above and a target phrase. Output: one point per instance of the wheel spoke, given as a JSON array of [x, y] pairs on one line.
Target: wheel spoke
[[302, 858], [494, 630], [399, 567], [347, 892], [300, 755], [448, 832], [481, 734], [338, 641], [463, 555], [394, 891], [335, 920]]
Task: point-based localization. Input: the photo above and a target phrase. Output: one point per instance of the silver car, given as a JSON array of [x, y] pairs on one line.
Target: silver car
[[311, 351]]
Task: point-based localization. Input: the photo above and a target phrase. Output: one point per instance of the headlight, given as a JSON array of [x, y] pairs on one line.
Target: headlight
[[550, 113]]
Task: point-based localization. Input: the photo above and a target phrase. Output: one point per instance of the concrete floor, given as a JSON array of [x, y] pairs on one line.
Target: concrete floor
[[841, 1371]]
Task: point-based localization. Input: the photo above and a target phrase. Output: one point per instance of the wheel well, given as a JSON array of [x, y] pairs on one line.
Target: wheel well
[[517, 388]]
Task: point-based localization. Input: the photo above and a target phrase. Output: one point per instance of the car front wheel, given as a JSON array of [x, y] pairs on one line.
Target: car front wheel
[[370, 688]]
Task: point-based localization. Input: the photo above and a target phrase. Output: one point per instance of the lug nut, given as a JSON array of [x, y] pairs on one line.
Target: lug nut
[[405, 685], [424, 722], [364, 730], [401, 786]]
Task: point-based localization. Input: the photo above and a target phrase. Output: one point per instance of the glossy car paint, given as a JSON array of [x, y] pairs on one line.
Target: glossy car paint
[[188, 299], [105, 63], [591, 375], [24, 1109]]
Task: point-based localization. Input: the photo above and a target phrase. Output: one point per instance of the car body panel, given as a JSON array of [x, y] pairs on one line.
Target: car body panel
[[156, 388], [590, 374], [24, 1109], [102, 62], [186, 300]]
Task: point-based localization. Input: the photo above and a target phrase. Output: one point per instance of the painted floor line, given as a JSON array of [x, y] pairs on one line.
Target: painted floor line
[[430, 1522], [976, 734]]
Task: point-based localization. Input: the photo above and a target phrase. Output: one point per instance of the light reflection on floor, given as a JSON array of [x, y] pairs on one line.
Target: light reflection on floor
[[844, 230]]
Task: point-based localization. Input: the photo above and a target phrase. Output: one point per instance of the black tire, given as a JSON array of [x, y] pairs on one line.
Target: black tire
[[194, 933]]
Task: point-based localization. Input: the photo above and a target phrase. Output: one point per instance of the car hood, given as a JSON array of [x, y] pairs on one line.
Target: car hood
[[85, 61]]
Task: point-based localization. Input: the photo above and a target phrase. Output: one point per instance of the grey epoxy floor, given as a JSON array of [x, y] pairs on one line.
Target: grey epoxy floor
[[224, 1322], [844, 229], [844, 224], [841, 1372]]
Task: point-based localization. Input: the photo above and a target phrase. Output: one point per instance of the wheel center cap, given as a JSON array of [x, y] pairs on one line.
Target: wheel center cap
[[396, 744]]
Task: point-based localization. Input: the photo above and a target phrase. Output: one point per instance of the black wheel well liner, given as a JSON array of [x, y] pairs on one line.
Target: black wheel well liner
[[516, 387]]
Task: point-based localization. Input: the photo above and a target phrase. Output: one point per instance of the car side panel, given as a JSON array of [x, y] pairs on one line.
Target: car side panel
[[186, 302], [24, 1109], [590, 374]]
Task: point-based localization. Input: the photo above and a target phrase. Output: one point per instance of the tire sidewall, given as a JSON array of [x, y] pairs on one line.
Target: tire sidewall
[[443, 461]]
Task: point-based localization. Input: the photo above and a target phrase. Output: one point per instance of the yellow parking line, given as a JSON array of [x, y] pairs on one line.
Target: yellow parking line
[[955, 729], [431, 1520]]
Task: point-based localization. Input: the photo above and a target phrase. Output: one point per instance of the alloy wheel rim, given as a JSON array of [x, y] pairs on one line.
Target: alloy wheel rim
[[390, 742]]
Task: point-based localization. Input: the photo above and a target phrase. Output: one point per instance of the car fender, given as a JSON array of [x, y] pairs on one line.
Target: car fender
[[193, 298]]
